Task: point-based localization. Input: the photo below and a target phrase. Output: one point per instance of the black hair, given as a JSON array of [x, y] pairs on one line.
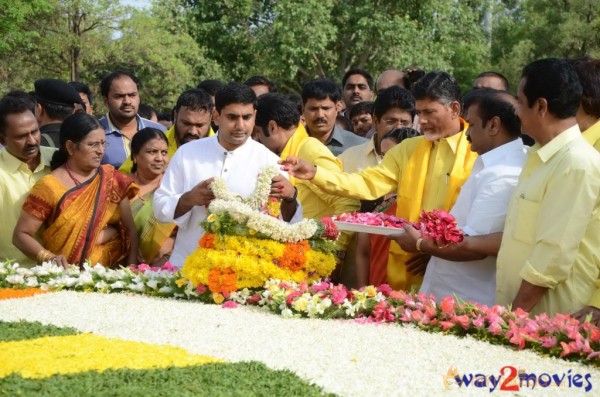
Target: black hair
[[56, 111], [141, 137], [24, 96], [83, 89], [164, 116], [12, 105], [361, 108], [195, 99], [108, 79], [394, 97], [145, 111], [556, 81], [261, 80], [588, 71], [491, 104], [321, 89], [297, 100], [437, 86], [400, 134], [277, 107], [360, 71], [344, 122], [210, 86], [234, 93], [74, 128], [491, 73]]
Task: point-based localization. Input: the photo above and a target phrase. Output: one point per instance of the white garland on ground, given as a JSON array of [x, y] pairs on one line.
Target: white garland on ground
[[343, 357]]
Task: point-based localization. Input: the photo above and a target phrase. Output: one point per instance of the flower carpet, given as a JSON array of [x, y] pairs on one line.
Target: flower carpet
[[247, 350]]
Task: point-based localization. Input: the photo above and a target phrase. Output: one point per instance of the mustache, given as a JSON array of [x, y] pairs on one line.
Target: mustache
[[190, 137], [321, 121]]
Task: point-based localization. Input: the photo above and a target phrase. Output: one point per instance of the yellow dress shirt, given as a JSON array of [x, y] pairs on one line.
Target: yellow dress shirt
[[16, 180], [125, 168], [315, 202], [552, 232], [376, 181], [359, 157], [592, 135]]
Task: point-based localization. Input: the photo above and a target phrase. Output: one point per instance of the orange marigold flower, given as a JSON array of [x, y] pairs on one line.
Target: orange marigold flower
[[207, 240], [294, 256], [20, 293], [222, 280]]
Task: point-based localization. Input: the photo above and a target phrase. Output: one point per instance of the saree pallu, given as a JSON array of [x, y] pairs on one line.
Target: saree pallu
[[151, 233], [74, 218]]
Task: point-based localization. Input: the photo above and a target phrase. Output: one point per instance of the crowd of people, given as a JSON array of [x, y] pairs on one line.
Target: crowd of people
[[520, 174]]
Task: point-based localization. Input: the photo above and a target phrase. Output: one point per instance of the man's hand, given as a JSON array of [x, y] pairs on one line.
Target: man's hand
[[594, 313], [201, 193], [298, 168], [282, 188], [417, 264], [407, 240]]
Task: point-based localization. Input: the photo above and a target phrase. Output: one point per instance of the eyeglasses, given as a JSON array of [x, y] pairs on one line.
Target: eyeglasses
[[393, 122], [95, 145]]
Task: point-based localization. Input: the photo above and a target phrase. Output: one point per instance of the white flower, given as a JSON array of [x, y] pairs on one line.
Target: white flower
[[117, 285], [85, 279], [152, 284], [287, 313], [15, 279], [25, 272], [165, 290], [138, 287], [32, 282], [100, 285]]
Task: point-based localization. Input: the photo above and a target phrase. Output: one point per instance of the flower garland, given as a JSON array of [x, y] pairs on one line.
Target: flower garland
[[257, 199], [558, 336]]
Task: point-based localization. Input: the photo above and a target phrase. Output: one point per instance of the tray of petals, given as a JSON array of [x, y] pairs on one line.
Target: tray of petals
[[356, 227]]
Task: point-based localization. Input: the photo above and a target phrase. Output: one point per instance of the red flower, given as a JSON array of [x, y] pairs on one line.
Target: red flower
[[331, 231]]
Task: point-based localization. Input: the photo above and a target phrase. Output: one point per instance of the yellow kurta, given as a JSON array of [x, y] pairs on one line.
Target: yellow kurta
[[552, 232], [315, 202], [16, 180], [592, 135], [425, 175]]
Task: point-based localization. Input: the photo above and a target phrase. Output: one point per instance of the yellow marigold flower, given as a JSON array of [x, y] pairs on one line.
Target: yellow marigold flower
[[212, 218], [218, 298], [181, 282], [370, 291], [51, 355], [251, 232]]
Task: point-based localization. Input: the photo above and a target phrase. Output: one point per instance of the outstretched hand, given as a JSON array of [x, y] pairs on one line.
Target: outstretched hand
[[593, 312], [298, 168], [281, 188]]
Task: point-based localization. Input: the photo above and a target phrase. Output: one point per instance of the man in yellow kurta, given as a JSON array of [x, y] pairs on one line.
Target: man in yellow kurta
[[426, 171], [277, 127], [588, 114], [191, 120], [549, 256], [22, 163]]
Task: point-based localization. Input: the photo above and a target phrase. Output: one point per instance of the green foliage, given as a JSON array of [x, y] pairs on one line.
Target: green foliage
[[239, 379], [14, 331], [527, 30]]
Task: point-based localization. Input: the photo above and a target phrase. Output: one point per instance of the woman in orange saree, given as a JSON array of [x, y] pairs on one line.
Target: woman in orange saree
[[84, 206]]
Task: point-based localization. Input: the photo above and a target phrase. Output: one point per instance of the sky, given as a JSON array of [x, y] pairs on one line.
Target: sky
[[137, 3]]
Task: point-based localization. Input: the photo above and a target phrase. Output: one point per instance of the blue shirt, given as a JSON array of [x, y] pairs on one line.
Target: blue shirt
[[119, 145]]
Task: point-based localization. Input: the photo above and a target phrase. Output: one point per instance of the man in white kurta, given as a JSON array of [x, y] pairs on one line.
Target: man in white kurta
[[230, 155]]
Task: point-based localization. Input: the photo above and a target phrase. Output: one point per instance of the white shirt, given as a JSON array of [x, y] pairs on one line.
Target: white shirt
[[479, 209], [359, 157], [195, 162]]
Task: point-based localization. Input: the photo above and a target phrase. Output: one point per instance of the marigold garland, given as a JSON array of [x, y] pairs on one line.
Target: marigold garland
[[222, 280]]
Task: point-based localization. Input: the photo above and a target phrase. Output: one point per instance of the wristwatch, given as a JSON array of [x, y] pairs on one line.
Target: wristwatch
[[293, 198]]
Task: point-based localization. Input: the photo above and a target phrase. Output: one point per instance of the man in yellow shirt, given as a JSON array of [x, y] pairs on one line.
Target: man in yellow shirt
[[22, 163], [191, 120], [548, 260], [588, 114], [426, 171], [278, 127]]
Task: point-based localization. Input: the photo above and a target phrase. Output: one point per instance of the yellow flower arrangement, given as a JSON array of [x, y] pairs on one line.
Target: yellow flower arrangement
[[247, 262]]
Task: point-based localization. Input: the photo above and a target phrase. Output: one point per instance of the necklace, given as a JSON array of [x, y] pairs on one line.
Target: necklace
[[153, 186], [75, 180]]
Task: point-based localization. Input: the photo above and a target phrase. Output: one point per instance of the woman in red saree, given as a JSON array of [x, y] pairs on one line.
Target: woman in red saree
[[83, 205]]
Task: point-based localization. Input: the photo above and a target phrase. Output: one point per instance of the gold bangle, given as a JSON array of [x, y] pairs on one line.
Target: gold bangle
[[44, 256], [418, 244]]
